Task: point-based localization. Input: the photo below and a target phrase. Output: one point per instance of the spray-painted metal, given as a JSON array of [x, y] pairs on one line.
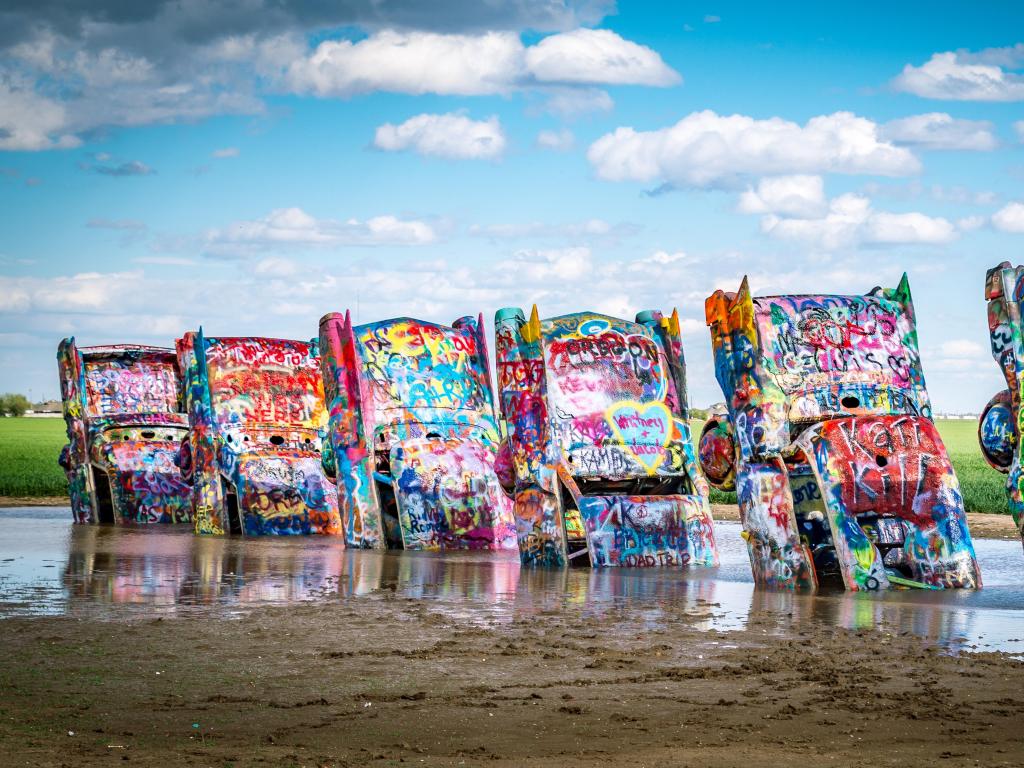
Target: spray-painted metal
[[600, 460], [413, 435], [122, 407], [840, 473], [257, 422], [1000, 425]]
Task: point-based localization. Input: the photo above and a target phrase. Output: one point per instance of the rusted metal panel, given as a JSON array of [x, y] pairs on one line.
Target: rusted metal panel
[[807, 380], [257, 424], [413, 434], [122, 408], [599, 441]]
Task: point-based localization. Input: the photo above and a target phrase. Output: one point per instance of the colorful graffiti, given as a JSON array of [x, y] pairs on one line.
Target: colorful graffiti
[[413, 434], [840, 475], [122, 410], [1001, 422], [601, 463], [257, 422]]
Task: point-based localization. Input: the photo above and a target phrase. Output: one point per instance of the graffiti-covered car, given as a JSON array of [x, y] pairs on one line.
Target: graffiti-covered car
[[413, 435], [602, 467], [841, 476], [257, 421], [999, 426], [123, 411]]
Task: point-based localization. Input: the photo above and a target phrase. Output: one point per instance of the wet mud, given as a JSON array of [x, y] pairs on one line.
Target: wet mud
[[129, 646], [392, 680]]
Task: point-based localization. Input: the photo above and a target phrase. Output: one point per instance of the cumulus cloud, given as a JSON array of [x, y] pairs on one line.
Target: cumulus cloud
[[851, 221], [800, 196], [560, 141], [29, 121], [64, 73], [225, 152], [470, 65], [451, 136], [294, 228], [1009, 218], [705, 149], [937, 130], [596, 57], [966, 76], [411, 62]]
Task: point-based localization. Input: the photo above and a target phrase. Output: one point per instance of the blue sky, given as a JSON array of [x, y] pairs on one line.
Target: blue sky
[[251, 168]]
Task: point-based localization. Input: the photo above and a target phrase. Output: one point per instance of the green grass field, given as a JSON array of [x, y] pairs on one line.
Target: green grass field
[[28, 457], [29, 450]]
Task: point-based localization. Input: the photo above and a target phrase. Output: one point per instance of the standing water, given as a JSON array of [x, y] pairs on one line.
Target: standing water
[[49, 566]]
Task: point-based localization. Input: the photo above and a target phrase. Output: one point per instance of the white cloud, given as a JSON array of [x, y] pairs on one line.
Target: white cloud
[[1009, 218], [589, 228], [572, 102], [961, 76], [799, 196], [937, 130], [1019, 128], [958, 356], [596, 57], [293, 227], [962, 348], [225, 152], [275, 266], [411, 62], [851, 221], [561, 141], [56, 86], [971, 223], [30, 122], [561, 264], [451, 136], [469, 65], [705, 149]]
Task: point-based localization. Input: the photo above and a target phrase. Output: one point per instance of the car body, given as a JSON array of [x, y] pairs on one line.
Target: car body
[[600, 461], [123, 411], [257, 420], [840, 474], [413, 434], [999, 427]]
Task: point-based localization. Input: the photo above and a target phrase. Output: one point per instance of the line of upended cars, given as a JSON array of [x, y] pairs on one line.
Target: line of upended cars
[[388, 434]]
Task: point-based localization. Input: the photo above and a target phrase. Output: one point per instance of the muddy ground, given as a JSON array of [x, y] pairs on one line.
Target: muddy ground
[[386, 680]]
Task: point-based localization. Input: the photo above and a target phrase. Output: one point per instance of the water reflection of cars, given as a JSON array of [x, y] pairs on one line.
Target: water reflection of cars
[[257, 421], [413, 436], [828, 440], [599, 458], [123, 411], [999, 425]]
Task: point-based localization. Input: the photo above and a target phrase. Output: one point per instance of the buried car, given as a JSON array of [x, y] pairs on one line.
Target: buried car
[[999, 426], [413, 436], [841, 476], [600, 461], [122, 408], [256, 426]]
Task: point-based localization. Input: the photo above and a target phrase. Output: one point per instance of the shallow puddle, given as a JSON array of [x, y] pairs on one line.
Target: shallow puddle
[[49, 566]]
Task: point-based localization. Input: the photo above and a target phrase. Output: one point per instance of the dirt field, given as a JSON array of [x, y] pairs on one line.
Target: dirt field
[[388, 680]]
